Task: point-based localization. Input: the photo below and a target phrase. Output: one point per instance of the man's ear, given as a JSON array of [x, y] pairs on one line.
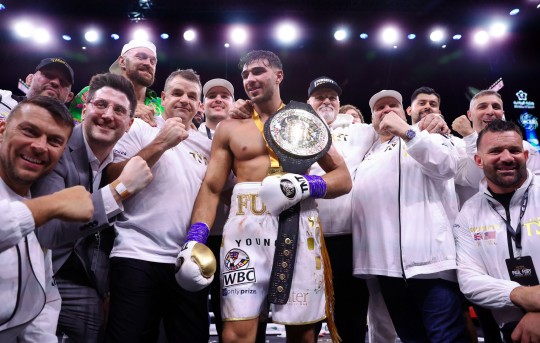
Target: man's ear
[[2, 130], [279, 77], [122, 62], [478, 161], [69, 97], [409, 110], [29, 79]]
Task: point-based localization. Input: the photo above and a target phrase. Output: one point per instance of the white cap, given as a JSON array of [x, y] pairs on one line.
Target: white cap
[[115, 67], [218, 83], [384, 94]]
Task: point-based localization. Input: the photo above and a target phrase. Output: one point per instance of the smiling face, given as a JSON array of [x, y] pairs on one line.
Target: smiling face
[[423, 105], [485, 109], [181, 99], [30, 145], [261, 80], [103, 128], [139, 65], [503, 159], [217, 102], [325, 102]]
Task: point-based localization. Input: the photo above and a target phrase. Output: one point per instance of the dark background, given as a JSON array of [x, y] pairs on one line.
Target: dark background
[[361, 67]]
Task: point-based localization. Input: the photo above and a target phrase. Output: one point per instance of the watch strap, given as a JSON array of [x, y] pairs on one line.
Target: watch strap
[[121, 189]]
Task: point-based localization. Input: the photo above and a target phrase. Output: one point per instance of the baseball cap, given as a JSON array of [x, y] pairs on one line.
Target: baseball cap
[[57, 62], [385, 93], [115, 67], [218, 83], [323, 82]]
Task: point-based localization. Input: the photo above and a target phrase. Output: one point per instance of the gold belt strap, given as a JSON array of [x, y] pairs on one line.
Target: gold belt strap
[[275, 167]]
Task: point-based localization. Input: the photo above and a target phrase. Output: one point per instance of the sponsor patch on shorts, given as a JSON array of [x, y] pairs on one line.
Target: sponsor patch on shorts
[[238, 272]]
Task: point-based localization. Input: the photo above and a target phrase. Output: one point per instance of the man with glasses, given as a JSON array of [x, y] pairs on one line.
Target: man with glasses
[[80, 252], [137, 63], [53, 77]]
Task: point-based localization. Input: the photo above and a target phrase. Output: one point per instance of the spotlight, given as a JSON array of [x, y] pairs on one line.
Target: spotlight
[[481, 38], [411, 36], [436, 36], [23, 29], [340, 35], [443, 46], [91, 36], [2, 7], [498, 30], [164, 36], [364, 36], [456, 37], [189, 35], [389, 35], [238, 35], [41, 36], [226, 45], [514, 11], [140, 34], [115, 36], [286, 33], [66, 37], [145, 4], [136, 16]]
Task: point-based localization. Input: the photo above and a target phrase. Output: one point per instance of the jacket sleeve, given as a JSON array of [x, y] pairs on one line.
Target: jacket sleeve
[[468, 174], [43, 328], [16, 222], [56, 233], [435, 154], [474, 281]]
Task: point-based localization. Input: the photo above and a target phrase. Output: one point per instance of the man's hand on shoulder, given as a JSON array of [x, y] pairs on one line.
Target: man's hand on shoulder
[[146, 113], [462, 125], [241, 109]]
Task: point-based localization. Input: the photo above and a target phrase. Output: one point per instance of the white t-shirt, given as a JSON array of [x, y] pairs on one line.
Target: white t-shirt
[[155, 220]]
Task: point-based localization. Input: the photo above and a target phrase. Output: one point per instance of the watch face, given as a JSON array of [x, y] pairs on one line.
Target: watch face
[[410, 134]]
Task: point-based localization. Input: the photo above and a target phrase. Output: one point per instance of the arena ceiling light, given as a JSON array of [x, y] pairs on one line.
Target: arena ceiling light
[[498, 30], [23, 29], [340, 34], [437, 35], [141, 34], [190, 35], [238, 35], [41, 36], [115, 36], [286, 33], [91, 36], [389, 35], [481, 38]]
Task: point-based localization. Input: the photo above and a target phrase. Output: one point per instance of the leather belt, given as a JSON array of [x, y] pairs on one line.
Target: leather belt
[[299, 137]]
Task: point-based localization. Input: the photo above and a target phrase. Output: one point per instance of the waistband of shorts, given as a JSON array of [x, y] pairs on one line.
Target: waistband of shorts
[[246, 188]]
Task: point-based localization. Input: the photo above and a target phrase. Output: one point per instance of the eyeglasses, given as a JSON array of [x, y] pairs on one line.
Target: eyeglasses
[[102, 106]]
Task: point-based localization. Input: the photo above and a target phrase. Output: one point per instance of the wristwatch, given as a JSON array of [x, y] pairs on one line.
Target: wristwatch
[[121, 189], [410, 134]]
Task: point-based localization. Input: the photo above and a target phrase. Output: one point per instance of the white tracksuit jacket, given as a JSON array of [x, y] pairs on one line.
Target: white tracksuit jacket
[[30, 302], [424, 198], [482, 247]]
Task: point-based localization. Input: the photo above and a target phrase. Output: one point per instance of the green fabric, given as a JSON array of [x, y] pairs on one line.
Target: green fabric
[[77, 103]]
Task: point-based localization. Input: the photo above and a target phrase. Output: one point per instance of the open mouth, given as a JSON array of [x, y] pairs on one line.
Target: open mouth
[[32, 160]]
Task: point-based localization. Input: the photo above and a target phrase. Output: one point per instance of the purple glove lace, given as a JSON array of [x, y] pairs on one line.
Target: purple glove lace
[[198, 232], [317, 186]]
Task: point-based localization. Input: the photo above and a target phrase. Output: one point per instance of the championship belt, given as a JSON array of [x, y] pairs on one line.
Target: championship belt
[[299, 138]]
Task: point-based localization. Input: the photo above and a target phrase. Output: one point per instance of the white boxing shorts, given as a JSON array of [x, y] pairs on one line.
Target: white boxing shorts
[[247, 254]]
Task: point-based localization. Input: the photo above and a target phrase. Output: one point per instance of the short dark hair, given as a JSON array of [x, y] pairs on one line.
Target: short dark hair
[[116, 82], [484, 92], [498, 125], [57, 109], [424, 90], [188, 74], [257, 55]]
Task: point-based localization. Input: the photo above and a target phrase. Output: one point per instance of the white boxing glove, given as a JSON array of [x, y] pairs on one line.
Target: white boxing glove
[[279, 192], [195, 264]]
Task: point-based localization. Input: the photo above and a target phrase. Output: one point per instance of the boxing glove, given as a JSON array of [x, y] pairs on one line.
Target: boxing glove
[[279, 192], [195, 264]]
